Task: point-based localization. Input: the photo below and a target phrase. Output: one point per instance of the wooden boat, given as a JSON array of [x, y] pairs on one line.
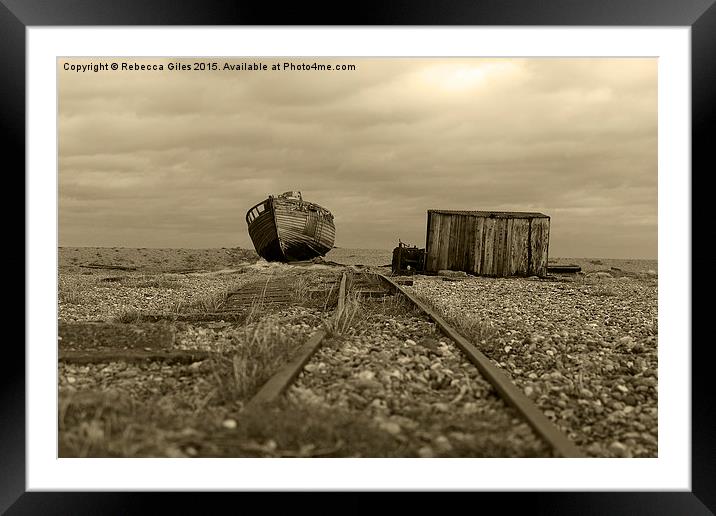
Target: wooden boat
[[286, 228]]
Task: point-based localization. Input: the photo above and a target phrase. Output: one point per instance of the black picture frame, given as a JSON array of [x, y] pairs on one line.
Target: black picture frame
[[700, 15]]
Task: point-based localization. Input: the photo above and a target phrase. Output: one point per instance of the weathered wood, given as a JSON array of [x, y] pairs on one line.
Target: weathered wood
[[433, 247], [520, 235], [544, 252], [479, 246], [131, 355], [487, 243], [500, 230], [509, 249], [538, 244], [280, 381], [110, 267], [509, 392], [563, 268], [468, 236], [93, 335], [489, 246], [454, 256], [445, 223]]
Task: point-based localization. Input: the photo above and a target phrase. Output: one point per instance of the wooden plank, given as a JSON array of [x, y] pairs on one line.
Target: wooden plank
[[503, 248], [499, 246], [504, 258], [509, 392], [461, 244], [469, 236], [488, 243], [279, 382], [536, 246], [496, 249], [455, 243], [466, 239], [132, 355], [532, 249], [520, 242], [93, 335], [452, 241], [478, 244], [432, 253], [563, 268], [445, 223], [509, 255], [431, 243], [543, 247], [110, 267]]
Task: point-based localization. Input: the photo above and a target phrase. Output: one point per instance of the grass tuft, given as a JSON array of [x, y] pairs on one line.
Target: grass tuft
[[262, 347], [70, 297], [129, 316], [340, 322], [603, 291], [477, 329]]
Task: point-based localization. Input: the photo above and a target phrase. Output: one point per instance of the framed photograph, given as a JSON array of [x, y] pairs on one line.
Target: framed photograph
[[214, 197]]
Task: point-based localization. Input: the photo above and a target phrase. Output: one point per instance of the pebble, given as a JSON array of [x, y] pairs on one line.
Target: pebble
[[229, 424], [391, 427], [441, 407], [442, 444], [429, 343], [619, 449], [426, 452]]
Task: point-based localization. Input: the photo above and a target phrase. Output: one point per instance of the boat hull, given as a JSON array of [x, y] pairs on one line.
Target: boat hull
[[289, 229]]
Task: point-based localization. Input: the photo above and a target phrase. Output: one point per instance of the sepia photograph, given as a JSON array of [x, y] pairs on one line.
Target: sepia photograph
[[357, 257]]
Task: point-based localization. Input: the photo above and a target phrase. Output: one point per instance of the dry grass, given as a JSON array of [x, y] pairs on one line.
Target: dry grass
[[478, 330], [129, 316], [343, 318], [285, 430], [603, 290], [262, 347], [150, 281], [70, 297], [105, 424]]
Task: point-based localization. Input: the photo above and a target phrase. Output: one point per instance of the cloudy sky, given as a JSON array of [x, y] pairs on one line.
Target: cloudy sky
[[175, 158]]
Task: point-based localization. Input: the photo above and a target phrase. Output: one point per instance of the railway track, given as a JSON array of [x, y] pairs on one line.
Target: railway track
[[384, 355], [506, 413]]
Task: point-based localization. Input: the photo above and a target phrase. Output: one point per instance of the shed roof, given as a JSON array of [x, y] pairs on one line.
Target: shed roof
[[493, 214]]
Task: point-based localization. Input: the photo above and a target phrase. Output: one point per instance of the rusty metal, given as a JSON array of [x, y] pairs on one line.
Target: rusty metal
[[561, 444], [407, 259], [280, 381]]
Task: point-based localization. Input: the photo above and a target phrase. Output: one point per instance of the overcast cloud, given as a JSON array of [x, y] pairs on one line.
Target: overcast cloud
[[175, 158]]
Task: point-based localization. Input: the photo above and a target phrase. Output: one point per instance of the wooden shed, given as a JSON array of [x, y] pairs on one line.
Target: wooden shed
[[487, 243]]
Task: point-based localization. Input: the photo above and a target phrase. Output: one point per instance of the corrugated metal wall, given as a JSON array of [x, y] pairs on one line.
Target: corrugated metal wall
[[500, 245]]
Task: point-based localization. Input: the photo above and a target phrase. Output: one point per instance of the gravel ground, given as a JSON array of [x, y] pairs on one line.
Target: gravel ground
[[103, 295], [416, 386], [585, 351], [160, 410], [135, 410], [221, 337]]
